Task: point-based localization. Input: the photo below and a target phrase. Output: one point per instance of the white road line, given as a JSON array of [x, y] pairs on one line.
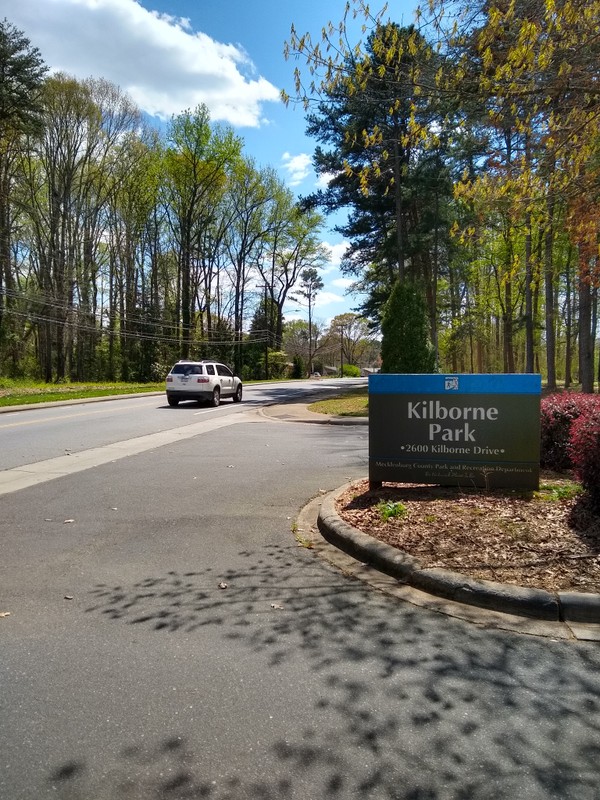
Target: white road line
[[12, 480]]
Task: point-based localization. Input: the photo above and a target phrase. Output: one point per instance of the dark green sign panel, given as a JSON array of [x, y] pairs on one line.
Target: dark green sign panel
[[455, 430]]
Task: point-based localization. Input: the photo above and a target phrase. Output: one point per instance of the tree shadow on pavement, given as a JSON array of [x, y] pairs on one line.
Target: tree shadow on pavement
[[407, 704]]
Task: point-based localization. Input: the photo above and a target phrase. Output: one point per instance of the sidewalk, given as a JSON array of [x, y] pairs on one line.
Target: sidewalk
[[298, 412]]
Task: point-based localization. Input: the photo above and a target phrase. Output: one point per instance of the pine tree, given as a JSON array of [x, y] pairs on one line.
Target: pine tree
[[21, 78]]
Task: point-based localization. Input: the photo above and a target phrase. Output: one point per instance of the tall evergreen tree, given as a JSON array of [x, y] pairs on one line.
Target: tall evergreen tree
[[405, 346], [384, 162], [22, 72]]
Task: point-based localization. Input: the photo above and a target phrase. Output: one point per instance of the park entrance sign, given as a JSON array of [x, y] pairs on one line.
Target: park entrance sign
[[455, 430]]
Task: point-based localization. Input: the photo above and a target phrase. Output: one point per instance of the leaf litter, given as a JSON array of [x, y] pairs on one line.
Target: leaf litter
[[547, 540]]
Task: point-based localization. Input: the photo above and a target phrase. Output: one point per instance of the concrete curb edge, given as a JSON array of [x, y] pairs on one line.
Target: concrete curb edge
[[506, 598]]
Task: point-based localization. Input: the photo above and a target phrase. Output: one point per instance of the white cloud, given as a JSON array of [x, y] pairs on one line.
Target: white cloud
[[342, 283], [323, 180], [298, 167], [157, 59], [292, 316], [335, 252], [324, 298]]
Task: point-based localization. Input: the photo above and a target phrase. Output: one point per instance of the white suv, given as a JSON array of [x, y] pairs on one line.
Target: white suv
[[204, 381]]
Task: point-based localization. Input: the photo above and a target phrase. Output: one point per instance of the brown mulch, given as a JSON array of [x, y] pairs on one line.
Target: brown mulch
[[536, 539]]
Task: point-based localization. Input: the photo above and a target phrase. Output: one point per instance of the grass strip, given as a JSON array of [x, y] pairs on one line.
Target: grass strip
[[350, 404], [13, 393]]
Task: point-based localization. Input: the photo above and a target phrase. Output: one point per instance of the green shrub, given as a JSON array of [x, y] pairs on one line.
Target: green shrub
[[350, 371], [389, 509], [159, 371], [405, 345], [277, 363], [298, 368]]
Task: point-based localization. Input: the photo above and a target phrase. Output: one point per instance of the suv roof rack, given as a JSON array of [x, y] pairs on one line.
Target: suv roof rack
[[201, 361]]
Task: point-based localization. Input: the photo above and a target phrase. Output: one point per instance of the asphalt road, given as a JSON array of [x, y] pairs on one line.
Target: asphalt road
[[35, 433], [127, 672]]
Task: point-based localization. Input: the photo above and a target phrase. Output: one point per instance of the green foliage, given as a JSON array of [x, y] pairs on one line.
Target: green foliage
[[13, 393], [22, 72], [249, 373], [391, 510], [298, 368], [554, 493], [405, 346], [277, 363], [22, 69], [159, 370], [311, 284], [376, 140], [350, 371], [468, 158]]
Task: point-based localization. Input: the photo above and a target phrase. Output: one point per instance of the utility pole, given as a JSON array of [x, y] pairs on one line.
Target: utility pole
[[266, 338]]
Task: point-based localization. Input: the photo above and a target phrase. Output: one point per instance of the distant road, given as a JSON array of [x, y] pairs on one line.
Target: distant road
[[38, 434]]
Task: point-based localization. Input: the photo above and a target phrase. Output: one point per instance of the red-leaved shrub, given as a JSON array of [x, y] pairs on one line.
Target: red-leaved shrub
[[558, 412], [584, 451]]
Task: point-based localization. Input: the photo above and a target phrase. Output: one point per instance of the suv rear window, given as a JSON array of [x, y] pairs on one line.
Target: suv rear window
[[210, 369], [187, 369]]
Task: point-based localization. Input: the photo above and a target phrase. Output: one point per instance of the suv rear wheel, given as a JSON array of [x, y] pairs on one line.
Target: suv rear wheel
[[173, 401], [216, 397]]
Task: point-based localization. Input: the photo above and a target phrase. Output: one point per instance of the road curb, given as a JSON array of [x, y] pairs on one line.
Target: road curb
[[508, 599], [76, 401]]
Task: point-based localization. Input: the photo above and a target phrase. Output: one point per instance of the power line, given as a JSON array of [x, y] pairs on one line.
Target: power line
[[133, 334], [48, 302]]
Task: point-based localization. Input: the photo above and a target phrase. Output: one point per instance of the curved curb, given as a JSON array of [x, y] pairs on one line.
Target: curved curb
[[506, 598]]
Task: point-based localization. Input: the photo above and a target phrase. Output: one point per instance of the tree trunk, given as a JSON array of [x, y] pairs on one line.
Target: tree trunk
[[5, 265], [568, 324], [549, 298], [399, 203], [185, 302], [507, 328], [586, 346], [529, 337]]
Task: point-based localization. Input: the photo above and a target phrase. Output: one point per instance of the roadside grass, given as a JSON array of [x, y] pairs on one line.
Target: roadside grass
[[16, 393], [350, 404]]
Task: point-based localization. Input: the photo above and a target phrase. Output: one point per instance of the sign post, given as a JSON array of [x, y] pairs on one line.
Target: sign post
[[455, 430]]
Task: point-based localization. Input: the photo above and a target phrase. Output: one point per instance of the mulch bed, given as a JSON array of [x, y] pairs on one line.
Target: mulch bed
[[541, 540]]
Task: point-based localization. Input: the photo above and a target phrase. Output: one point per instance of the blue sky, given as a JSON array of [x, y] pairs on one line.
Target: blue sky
[[169, 55]]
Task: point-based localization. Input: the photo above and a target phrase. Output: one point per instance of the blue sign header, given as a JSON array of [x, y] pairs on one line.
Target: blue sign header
[[455, 384]]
